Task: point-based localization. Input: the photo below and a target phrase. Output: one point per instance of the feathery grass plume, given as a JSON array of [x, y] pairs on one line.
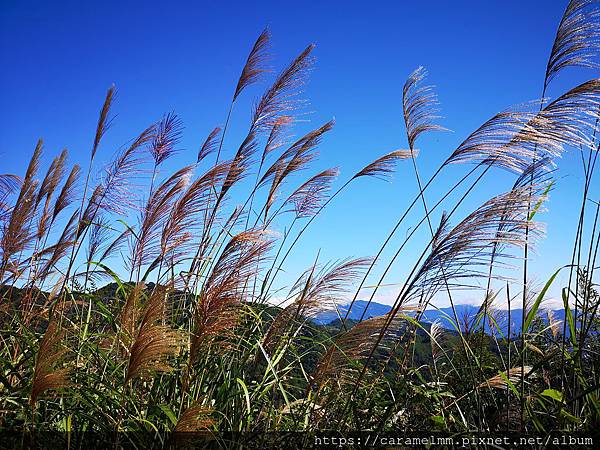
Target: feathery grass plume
[[51, 297], [511, 138], [251, 72], [58, 250], [315, 292], [276, 136], [195, 418], [67, 193], [554, 323], [309, 141], [308, 198], [116, 191], [419, 105], [490, 142], [536, 177], [179, 228], [130, 315], [53, 177], [43, 224], [47, 373], [104, 121], [462, 251], [568, 121], [8, 184], [281, 96], [499, 381], [216, 311], [167, 134], [210, 145], [576, 42], [90, 211], [146, 245], [154, 342], [383, 166], [487, 312], [436, 332], [100, 232], [33, 166], [17, 234], [113, 193], [255, 64], [239, 164], [294, 159], [339, 363], [115, 245]]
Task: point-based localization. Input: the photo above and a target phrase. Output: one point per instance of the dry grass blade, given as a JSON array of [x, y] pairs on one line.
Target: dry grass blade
[[104, 120], [384, 166], [154, 341], [576, 42], [419, 106], [255, 64], [47, 375]]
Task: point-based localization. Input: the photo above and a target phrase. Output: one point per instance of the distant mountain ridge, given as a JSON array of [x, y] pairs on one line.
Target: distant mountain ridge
[[464, 313]]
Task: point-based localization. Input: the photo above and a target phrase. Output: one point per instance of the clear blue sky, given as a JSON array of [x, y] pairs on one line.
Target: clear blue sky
[[59, 58]]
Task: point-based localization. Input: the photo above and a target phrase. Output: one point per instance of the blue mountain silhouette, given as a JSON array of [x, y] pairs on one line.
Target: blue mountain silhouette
[[465, 313]]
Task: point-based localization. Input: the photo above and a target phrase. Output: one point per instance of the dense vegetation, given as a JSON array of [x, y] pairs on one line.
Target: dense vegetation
[[185, 335]]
